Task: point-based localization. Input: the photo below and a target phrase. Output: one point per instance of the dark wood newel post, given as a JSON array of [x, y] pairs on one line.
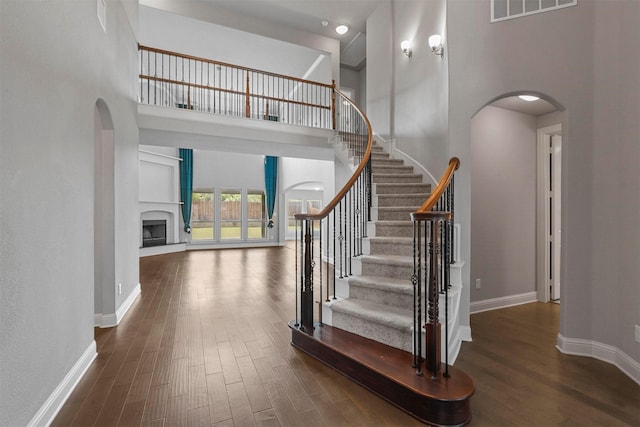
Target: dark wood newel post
[[432, 328], [306, 299], [333, 105]]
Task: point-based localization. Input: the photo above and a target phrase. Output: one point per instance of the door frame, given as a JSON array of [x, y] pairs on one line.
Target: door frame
[[542, 210]]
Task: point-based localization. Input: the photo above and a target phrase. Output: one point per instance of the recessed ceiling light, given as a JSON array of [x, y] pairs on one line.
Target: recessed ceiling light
[[325, 23], [342, 29], [528, 98]]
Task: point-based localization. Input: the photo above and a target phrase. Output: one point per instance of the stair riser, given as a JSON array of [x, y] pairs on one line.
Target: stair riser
[[387, 270], [395, 215], [397, 178], [383, 230], [404, 200], [386, 162], [392, 169], [408, 188], [377, 248], [381, 297], [378, 332]]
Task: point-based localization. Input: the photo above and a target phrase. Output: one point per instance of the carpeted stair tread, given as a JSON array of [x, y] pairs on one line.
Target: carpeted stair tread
[[394, 317], [388, 259], [383, 283], [392, 240]]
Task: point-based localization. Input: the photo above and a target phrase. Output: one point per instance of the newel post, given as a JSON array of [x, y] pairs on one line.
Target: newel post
[[306, 298]]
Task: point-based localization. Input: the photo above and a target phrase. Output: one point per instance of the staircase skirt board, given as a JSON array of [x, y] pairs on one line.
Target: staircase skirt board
[[387, 372]]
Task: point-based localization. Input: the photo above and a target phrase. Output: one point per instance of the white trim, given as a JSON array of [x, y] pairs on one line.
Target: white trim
[[542, 225], [113, 319], [502, 302], [600, 351], [126, 305], [56, 400], [396, 153], [464, 332], [163, 249]]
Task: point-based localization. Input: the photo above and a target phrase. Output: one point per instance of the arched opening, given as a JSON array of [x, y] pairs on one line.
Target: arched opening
[[515, 201], [104, 223]]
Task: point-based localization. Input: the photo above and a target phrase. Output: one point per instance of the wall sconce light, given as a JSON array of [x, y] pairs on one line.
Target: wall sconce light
[[435, 43], [405, 45]]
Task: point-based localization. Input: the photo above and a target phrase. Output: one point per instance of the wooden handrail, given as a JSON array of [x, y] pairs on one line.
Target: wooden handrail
[[224, 64], [454, 164], [365, 158]]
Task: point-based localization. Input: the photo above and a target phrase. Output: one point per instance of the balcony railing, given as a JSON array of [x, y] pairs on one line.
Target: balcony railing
[[175, 80]]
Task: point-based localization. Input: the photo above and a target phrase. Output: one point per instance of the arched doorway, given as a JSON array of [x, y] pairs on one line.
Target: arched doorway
[[512, 249], [104, 223]]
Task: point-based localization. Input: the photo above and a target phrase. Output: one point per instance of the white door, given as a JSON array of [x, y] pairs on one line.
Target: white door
[[555, 157]]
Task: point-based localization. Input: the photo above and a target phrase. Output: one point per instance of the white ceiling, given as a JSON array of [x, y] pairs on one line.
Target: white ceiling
[[307, 15]]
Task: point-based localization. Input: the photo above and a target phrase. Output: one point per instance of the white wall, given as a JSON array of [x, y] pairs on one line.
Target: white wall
[[503, 201], [407, 98], [380, 69], [189, 33], [56, 63]]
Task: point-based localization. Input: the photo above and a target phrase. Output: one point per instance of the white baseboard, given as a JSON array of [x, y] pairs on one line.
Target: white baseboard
[[113, 319], [52, 406], [600, 351], [464, 332], [502, 302]]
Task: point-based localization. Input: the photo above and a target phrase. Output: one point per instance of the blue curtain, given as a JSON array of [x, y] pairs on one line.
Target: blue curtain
[[186, 185], [271, 185]]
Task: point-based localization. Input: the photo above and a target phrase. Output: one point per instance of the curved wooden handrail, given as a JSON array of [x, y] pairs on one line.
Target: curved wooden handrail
[[454, 164], [224, 64], [365, 158]]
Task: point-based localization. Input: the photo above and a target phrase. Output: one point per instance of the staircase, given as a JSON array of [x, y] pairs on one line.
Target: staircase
[[376, 301]]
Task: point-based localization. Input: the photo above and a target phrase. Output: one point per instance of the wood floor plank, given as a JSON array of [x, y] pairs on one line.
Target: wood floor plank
[[219, 407], [207, 343]]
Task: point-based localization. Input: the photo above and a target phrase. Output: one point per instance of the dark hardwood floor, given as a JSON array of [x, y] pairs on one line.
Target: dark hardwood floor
[[208, 343]]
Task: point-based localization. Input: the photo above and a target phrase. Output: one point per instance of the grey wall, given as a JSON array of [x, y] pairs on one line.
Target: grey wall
[[615, 181], [56, 63], [503, 201], [560, 55]]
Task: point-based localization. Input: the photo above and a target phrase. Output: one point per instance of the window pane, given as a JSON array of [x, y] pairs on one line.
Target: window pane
[[548, 3], [294, 206], [202, 215], [313, 207], [256, 215], [499, 9], [515, 7], [531, 5], [230, 214]]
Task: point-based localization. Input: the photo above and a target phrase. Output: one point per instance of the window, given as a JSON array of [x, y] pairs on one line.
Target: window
[[256, 214], [231, 214], [202, 217], [294, 206], [507, 9]]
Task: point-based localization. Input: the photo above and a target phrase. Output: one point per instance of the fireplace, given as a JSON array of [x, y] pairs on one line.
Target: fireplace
[[154, 233]]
